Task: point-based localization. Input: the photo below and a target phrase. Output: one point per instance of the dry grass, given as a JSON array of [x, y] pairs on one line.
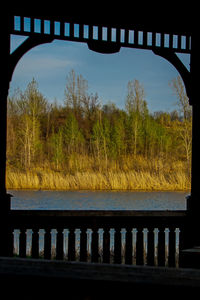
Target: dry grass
[[130, 180], [85, 173]]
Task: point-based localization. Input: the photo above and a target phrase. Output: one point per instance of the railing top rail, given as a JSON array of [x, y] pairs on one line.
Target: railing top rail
[[99, 213]]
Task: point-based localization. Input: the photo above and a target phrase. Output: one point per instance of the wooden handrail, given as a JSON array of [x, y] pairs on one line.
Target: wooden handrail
[[99, 213]]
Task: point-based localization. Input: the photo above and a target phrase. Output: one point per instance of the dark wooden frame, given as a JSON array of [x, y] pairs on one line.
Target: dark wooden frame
[[101, 44]]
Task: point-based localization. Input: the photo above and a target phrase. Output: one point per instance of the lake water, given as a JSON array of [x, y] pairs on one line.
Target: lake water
[[98, 200]]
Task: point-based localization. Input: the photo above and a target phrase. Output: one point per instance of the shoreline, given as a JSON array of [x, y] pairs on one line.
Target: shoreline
[[97, 190]]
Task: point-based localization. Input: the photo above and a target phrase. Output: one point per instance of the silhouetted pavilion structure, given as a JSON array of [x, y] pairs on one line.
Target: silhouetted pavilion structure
[[165, 38]]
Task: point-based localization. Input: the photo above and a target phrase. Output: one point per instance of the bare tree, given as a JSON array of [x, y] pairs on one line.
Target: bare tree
[[185, 128], [183, 101], [75, 91]]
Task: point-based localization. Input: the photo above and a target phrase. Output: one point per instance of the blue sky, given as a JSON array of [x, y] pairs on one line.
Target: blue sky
[[107, 74]]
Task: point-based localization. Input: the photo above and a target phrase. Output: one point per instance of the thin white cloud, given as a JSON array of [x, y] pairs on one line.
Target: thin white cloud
[[42, 64]]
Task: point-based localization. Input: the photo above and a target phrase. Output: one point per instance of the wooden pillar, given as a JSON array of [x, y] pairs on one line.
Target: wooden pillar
[[193, 205], [5, 248]]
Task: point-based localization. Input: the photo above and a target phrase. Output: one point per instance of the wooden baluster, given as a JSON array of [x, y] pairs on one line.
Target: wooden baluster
[[106, 245], [172, 247], [151, 247], [59, 244], [117, 246], [161, 246], [140, 247], [71, 244], [22, 242], [47, 243], [83, 244], [35, 243], [129, 246], [95, 245]]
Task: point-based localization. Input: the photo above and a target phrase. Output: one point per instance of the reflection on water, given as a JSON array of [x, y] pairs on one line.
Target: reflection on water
[[98, 200]]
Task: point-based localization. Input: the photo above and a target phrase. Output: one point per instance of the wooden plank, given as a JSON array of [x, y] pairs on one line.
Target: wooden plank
[[153, 39], [171, 37], [42, 26], [188, 46], [81, 31], [62, 29], [118, 35], [109, 34], [71, 30], [100, 33], [52, 28], [136, 37], [179, 46], [99, 213], [126, 36], [32, 25], [145, 38], [162, 40], [90, 32]]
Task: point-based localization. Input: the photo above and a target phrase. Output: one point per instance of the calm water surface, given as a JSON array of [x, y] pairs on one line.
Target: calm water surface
[[98, 200]]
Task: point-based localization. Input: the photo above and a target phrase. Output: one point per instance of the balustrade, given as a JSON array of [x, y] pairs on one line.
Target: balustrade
[[122, 237]]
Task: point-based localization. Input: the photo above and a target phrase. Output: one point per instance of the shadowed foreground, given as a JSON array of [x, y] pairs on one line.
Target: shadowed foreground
[[39, 279]]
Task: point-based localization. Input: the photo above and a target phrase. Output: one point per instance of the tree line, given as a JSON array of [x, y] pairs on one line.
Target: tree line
[[82, 133]]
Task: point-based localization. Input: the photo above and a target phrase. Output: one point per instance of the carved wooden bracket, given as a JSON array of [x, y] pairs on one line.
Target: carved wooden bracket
[[28, 44], [171, 56]]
